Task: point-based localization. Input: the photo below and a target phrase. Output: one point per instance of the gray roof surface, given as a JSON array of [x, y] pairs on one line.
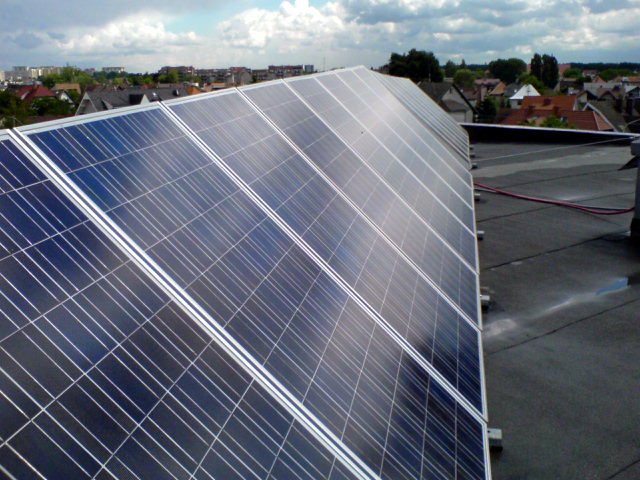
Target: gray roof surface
[[106, 98], [562, 340]]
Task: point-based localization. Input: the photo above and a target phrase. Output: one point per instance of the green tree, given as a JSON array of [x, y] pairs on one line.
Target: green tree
[[50, 80], [14, 110], [611, 73], [536, 66], [550, 73], [171, 77], [417, 65], [507, 70], [487, 110], [450, 69], [555, 122], [464, 77], [51, 106], [572, 73], [527, 78]]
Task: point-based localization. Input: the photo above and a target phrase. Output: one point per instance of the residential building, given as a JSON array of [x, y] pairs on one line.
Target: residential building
[[109, 98], [451, 99], [113, 69], [28, 93], [285, 71], [535, 110], [183, 71], [525, 91]]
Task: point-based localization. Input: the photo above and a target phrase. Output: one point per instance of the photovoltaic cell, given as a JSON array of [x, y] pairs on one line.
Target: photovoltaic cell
[[392, 188], [402, 168], [386, 101], [386, 122], [393, 216], [447, 130], [263, 289], [247, 143], [103, 376]]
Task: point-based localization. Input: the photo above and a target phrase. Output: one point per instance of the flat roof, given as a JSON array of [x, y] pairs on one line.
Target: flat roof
[[562, 339]]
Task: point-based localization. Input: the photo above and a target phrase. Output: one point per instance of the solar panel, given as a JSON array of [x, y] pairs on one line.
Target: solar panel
[[389, 174], [386, 117], [443, 126], [103, 375], [385, 153], [335, 230], [256, 282], [237, 309]]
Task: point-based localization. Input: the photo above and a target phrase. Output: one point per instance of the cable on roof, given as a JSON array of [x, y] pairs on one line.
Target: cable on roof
[[594, 210]]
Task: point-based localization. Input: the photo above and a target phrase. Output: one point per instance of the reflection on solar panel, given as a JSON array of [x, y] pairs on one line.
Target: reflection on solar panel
[[226, 287], [336, 230], [426, 110]]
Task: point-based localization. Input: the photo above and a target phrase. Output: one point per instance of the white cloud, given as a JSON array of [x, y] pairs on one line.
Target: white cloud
[[127, 35], [340, 32]]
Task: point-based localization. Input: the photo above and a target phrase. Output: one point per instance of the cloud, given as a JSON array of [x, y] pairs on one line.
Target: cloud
[[146, 35]]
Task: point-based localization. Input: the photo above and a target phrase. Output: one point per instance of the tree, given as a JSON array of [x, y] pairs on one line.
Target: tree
[[507, 70], [13, 109], [536, 66], [550, 73], [611, 73], [417, 65], [532, 80], [487, 110], [450, 69], [554, 122], [572, 73], [51, 106], [464, 77]]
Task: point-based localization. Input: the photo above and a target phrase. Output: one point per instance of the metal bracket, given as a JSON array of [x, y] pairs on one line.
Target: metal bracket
[[495, 439]]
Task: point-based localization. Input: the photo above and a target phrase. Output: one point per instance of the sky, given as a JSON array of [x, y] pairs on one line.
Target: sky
[[145, 35]]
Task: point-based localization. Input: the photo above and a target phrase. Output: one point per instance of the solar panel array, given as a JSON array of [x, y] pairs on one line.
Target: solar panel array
[[271, 282]]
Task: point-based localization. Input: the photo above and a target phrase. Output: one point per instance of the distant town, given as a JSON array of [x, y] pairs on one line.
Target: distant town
[[542, 93]]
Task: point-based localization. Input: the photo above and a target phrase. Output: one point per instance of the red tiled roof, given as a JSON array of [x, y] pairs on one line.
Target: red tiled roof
[[29, 93], [562, 102], [585, 120]]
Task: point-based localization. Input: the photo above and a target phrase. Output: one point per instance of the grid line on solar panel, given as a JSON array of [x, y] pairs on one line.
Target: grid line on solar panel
[[340, 162], [331, 156], [381, 148], [50, 357], [444, 122], [384, 96], [211, 286], [385, 122], [426, 110], [230, 155], [226, 128], [431, 257]]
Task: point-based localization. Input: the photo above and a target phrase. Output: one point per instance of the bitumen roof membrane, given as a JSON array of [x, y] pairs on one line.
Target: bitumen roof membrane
[[562, 336]]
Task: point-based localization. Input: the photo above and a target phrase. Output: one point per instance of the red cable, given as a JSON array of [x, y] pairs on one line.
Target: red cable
[[561, 203]]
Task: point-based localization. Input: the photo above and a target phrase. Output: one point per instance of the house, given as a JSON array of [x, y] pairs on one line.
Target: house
[[561, 102], [525, 91], [498, 90], [62, 90], [484, 87], [607, 110], [534, 110], [450, 98], [66, 87], [28, 93], [108, 98], [581, 120]]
